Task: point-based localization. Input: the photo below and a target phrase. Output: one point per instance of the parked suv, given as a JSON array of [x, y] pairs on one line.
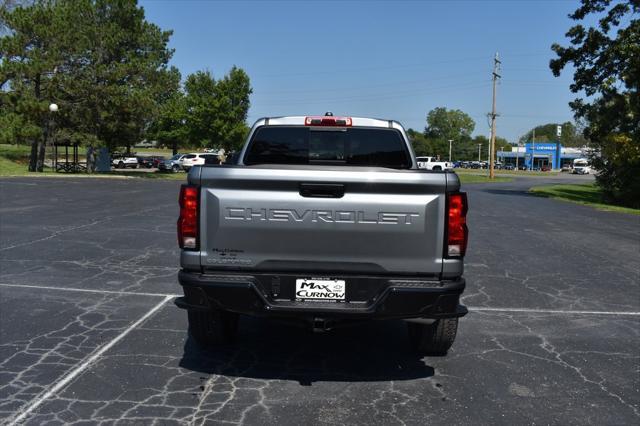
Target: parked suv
[[198, 159], [430, 163], [121, 161], [173, 164]]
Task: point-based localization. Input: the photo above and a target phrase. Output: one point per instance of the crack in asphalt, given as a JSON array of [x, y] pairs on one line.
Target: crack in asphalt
[[86, 225], [25, 411], [548, 347]]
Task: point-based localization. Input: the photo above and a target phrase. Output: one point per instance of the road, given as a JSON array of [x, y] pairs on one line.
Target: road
[[88, 330]]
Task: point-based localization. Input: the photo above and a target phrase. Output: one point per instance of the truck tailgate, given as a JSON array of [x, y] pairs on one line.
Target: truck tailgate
[[322, 219]]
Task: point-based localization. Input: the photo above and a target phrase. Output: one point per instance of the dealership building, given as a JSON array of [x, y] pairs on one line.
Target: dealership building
[[541, 154]]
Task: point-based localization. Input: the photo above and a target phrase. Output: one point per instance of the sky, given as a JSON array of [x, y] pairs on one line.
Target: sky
[[385, 59]]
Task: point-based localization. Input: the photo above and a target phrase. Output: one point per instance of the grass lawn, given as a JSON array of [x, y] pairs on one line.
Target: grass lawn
[[586, 194], [14, 161], [12, 168], [15, 152], [476, 178]]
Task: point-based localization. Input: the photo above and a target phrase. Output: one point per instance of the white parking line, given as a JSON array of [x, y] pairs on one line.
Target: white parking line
[[555, 311], [88, 290], [84, 365]]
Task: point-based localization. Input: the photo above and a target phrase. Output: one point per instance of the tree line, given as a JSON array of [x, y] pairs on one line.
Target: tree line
[[448, 124], [107, 68], [604, 53]]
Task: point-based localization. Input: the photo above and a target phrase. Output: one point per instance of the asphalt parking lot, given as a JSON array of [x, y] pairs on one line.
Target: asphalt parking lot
[[89, 333]]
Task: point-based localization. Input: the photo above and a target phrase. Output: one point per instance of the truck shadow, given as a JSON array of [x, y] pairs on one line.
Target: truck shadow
[[377, 351]]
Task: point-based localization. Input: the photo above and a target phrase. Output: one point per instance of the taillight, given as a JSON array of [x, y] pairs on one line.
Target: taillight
[[328, 121], [188, 220], [457, 232]]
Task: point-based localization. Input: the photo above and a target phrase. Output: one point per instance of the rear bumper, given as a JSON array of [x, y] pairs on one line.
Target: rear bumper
[[269, 295]]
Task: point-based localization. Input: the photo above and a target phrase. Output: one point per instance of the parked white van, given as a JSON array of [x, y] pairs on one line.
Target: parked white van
[[581, 166]]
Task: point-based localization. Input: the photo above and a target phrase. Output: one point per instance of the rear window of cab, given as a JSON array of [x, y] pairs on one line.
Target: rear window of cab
[[351, 146]]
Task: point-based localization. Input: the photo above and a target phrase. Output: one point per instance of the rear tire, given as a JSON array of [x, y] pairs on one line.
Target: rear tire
[[437, 168], [121, 165], [210, 328], [175, 169], [433, 339]]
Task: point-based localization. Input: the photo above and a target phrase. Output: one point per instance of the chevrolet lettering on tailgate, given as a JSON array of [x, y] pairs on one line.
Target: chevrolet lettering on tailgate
[[339, 216]]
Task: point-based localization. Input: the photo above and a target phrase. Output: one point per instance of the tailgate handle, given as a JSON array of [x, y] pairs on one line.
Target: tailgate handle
[[322, 190]]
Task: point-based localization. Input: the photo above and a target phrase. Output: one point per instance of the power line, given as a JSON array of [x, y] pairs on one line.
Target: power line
[[391, 67], [396, 95], [386, 67], [372, 86]]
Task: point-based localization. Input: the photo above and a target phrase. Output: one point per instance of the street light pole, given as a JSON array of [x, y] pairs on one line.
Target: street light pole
[[450, 140], [53, 108], [489, 158], [479, 148]]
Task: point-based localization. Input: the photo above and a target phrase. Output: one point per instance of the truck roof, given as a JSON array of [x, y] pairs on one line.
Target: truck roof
[[299, 120]]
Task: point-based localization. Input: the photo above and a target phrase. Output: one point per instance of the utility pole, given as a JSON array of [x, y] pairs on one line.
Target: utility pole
[[533, 149], [450, 140], [496, 76]]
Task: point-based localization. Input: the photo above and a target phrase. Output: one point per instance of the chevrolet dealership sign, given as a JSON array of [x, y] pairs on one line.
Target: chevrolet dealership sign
[[544, 147]]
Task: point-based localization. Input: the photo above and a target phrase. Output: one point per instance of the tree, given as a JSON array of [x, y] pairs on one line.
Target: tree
[[449, 124], [114, 88], [217, 110], [169, 127], [547, 133], [6, 6], [232, 93], [483, 141], [29, 59], [421, 145], [606, 60], [100, 60], [201, 108], [503, 145], [444, 125]]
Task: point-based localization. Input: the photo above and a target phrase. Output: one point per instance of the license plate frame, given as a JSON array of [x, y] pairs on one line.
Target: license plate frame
[[320, 289]]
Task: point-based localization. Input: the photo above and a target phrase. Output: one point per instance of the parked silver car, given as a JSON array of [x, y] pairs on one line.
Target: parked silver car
[[173, 164]]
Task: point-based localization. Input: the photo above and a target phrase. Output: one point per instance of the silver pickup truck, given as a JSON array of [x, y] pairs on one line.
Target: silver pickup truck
[[325, 221]]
